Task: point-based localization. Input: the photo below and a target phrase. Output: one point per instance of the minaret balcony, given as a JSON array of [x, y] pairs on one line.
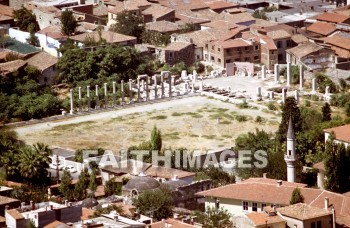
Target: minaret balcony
[[289, 158]]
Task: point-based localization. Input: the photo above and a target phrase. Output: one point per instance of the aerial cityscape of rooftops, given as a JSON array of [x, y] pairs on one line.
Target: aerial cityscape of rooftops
[[175, 113]]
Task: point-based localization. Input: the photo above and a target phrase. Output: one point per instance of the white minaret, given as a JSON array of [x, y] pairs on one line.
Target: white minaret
[[290, 156]]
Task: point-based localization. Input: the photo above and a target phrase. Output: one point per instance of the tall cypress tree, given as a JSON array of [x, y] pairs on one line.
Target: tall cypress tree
[[326, 112], [297, 197], [156, 139]]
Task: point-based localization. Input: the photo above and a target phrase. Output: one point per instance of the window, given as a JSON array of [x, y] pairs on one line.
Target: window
[[238, 49], [198, 57], [219, 60], [237, 60], [289, 152], [313, 225], [256, 47], [213, 47], [247, 59], [212, 58], [206, 45], [245, 206], [170, 54], [280, 57], [246, 48], [289, 43], [219, 49], [255, 206], [279, 44], [319, 224], [272, 52], [263, 205], [256, 57]]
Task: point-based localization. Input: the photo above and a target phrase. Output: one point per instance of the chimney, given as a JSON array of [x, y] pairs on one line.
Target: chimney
[[66, 203], [279, 183], [70, 204], [32, 205], [7, 207], [23, 204], [326, 203], [51, 207], [265, 175], [175, 177]]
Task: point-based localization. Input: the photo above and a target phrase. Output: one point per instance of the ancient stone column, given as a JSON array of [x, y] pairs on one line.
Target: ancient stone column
[[301, 77], [289, 74], [122, 91], [296, 96], [130, 90], [201, 86], [147, 92], [258, 91], [169, 81], [194, 73], [88, 97], [114, 94], [79, 95], [97, 98], [172, 80], [183, 74], [138, 90], [313, 85], [106, 95], [162, 85], [155, 87], [263, 72], [272, 95], [192, 90], [71, 101], [185, 88], [328, 90], [276, 72], [284, 94]]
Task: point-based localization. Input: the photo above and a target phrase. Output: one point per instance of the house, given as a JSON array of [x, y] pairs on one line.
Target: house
[[53, 31], [334, 18], [11, 67], [341, 46], [108, 36], [56, 3], [46, 15], [9, 203], [166, 174], [312, 56], [267, 218], [164, 27], [321, 29], [6, 15], [219, 6], [46, 63], [253, 194], [319, 166], [157, 12], [176, 52], [15, 219], [172, 223], [304, 215], [233, 50], [341, 133]]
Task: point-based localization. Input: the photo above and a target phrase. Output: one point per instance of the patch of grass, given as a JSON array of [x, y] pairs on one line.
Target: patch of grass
[[222, 109], [193, 114], [242, 105], [176, 114], [119, 118], [209, 136], [194, 135], [71, 126], [241, 118], [271, 106], [173, 135], [159, 117], [259, 119], [226, 136], [221, 115]]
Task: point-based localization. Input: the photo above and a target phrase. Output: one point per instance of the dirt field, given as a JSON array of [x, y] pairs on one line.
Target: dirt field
[[191, 123]]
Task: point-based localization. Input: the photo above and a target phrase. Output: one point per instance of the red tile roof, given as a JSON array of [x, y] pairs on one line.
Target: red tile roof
[[302, 211], [10, 67], [263, 218], [319, 166], [14, 213], [110, 37], [215, 5], [221, 24], [333, 17], [177, 46], [232, 43], [342, 133], [273, 182], [42, 61], [157, 11], [53, 31], [322, 28], [6, 11], [339, 41]]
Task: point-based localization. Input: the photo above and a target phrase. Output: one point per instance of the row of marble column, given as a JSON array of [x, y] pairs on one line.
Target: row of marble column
[[144, 79]]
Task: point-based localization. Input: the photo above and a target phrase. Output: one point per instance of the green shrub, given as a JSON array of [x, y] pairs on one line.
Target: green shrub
[[314, 98], [241, 118], [307, 103], [259, 119], [271, 106]]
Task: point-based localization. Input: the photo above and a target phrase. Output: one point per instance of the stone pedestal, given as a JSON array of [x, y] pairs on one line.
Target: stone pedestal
[[130, 91], [79, 94], [71, 101], [122, 91], [263, 72], [106, 95], [201, 86], [138, 90], [114, 94], [155, 87], [276, 74], [258, 91], [272, 95], [162, 85], [97, 106], [314, 85], [284, 95], [289, 74], [88, 98], [296, 96], [147, 91]]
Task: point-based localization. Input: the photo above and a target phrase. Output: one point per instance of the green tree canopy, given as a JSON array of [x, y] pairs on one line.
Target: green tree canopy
[[156, 203], [129, 24], [214, 218], [65, 186], [218, 176], [156, 139], [25, 20], [69, 24], [296, 197], [80, 192], [326, 112]]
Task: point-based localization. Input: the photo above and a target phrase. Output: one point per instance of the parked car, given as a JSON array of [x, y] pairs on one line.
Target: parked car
[[54, 166], [71, 169]]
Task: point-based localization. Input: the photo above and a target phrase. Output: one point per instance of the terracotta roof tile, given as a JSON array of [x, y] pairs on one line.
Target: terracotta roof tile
[[302, 211], [7, 200], [53, 31], [221, 24], [273, 182], [265, 41], [177, 46], [167, 173], [232, 43], [214, 5], [163, 26], [200, 37], [340, 41], [157, 11], [190, 19], [304, 49], [299, 38], [10, 67], [2, 219], [56, 224], [263, 218], [180, 4], [333, 17], [42, 60], [322, 28], [110, 37], [278, 34], [100, 10], [319, 166], [6, 11], [128, 5], [86, 213], [15, 214], [342, 133]]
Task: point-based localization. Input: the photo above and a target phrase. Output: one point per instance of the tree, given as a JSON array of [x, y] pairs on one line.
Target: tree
[[81, 185], [218, 176], [93, 182], [155, 38], [32, 39], [289, 109], [156, 139], [69, 24], [65, 185], [129, 24], [156, 203], [326, 112], [260, 14], [297, 197], [336, 162], [112, 187], [214, 217], [25, 19]]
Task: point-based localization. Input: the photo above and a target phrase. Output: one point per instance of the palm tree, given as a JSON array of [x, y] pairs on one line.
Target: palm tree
[[44, 150]]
